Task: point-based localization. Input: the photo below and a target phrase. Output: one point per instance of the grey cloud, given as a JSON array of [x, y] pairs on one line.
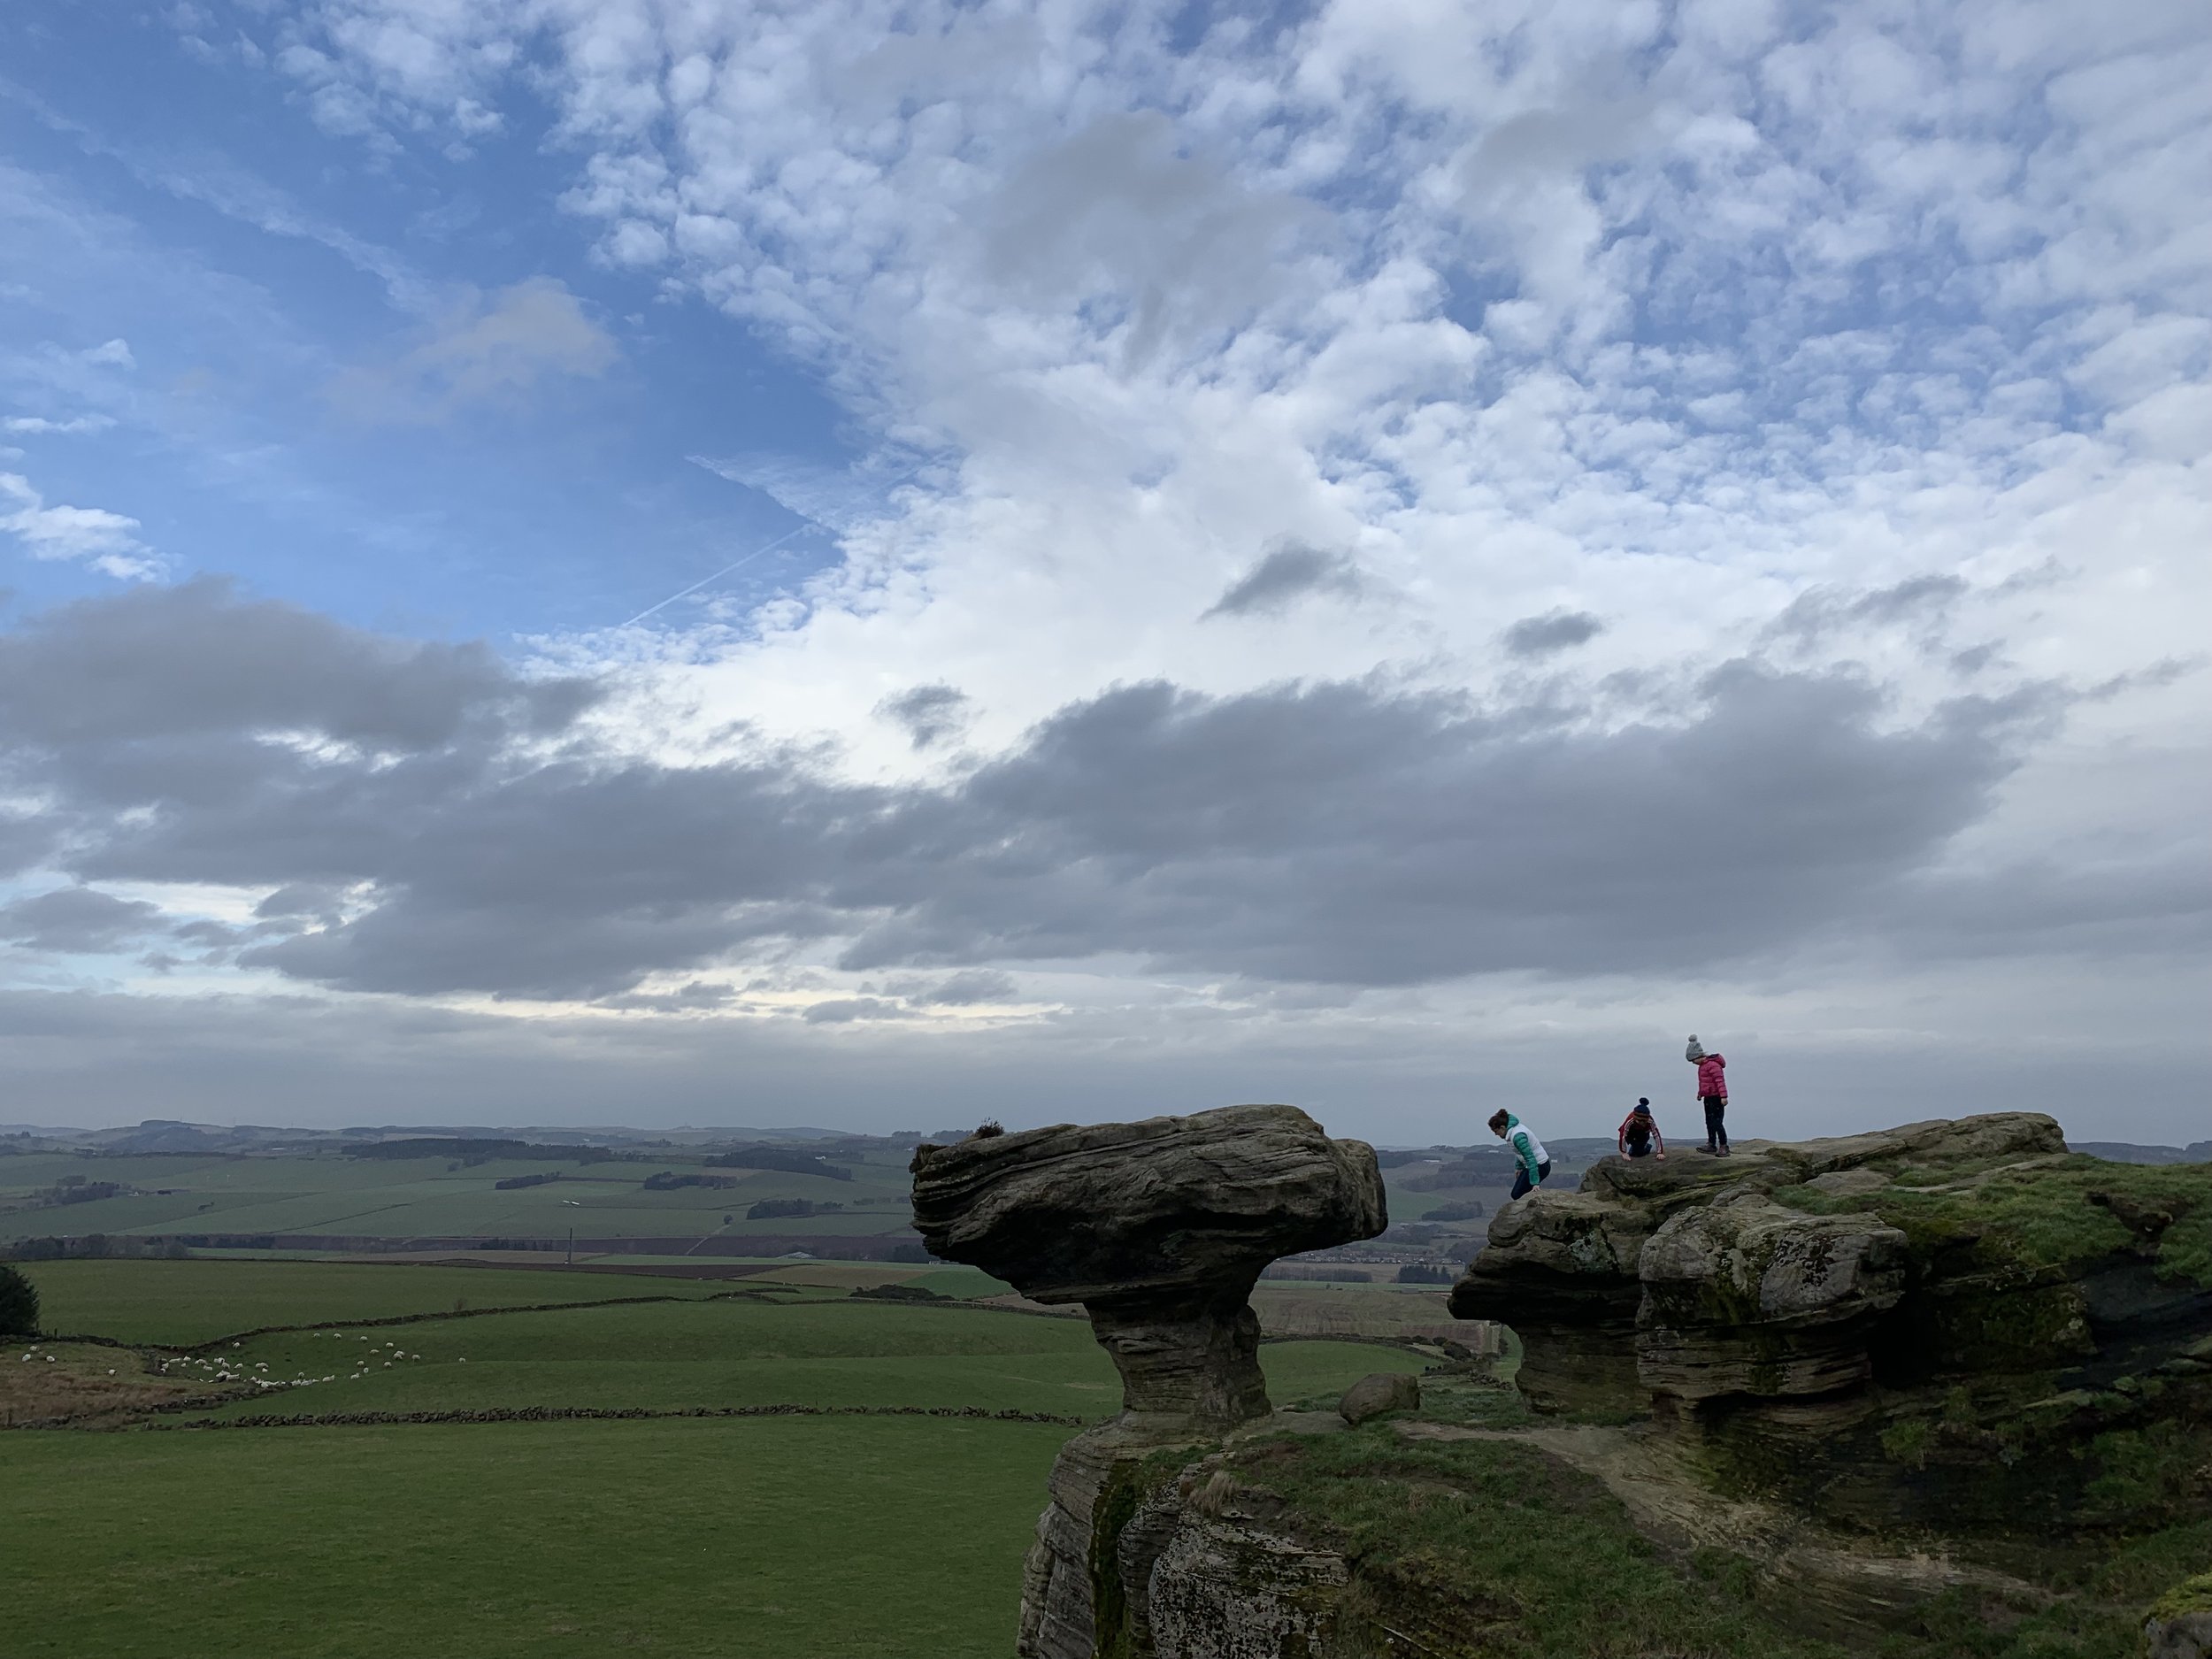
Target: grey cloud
[[298, 898], [195, 663], [1285, 575], [1555, 630], [1118, 209], [1821, 612], [844, 1010], [964, 989], [696, 996], [77, 919], [1331, 833], [930, 714]]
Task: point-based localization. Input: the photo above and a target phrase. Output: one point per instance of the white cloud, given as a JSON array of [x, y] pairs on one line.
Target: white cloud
[[101, 538], [114, 352], [40, 425]]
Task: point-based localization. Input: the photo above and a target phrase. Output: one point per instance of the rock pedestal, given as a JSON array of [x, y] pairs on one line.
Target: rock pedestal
[[1160, 1229]]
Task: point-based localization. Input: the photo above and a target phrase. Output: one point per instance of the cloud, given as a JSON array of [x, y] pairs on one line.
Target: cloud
[[77, 919], [496, 348], [1282, 577], [964, 989], [1117, 211], [1820, 613], [101, 538], [929, 715], [39, 424], [114, 353], [845, 1011], [836, 496], [1554, 631], [1334, 832]]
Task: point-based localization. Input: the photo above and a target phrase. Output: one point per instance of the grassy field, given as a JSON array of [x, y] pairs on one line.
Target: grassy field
[[754, 1538], [400, 1198], [783, 1537], [668, 1356], [178, 1303]]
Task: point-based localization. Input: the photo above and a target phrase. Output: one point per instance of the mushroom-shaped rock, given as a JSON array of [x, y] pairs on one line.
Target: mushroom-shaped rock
[[1159, 1228]]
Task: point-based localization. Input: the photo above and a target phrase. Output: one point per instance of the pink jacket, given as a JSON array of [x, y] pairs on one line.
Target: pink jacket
[[1712, 1078]]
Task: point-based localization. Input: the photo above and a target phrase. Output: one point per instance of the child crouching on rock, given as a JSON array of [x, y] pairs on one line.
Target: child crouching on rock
[[1640, 1136], [1535, 1163]]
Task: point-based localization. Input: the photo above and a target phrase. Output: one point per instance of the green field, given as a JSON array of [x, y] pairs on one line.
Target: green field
[[435, 1197], [667, 1356], [783, 1537], [177, 1303], [757, 1539]]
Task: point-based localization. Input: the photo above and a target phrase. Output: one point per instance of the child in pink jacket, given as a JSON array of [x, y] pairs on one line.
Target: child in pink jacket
[[1712, 1089]]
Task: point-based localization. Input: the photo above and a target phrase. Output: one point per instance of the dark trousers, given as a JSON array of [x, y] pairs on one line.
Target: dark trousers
[[1523, 1185], [1715, 1120]]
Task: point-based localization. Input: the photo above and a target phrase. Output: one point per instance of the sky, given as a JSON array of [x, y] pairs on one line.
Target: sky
[[669, 562]]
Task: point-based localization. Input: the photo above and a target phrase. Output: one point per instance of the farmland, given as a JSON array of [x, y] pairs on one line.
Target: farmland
[[825, 1532], [639, 1203], [333, 1196]]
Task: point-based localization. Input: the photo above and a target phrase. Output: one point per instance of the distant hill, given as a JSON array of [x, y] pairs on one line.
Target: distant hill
[[2129, 1152]]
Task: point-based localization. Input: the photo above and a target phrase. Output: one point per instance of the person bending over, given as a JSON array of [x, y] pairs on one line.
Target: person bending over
[[1640, 1136], [1534, 1163]]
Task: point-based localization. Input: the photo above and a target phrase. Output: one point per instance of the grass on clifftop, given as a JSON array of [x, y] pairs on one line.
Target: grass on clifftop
[[2047, 1212], [1483, 1547]]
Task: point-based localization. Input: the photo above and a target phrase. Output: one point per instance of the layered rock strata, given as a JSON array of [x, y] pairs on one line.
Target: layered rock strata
[[1928, 1325], [1159, 1229]]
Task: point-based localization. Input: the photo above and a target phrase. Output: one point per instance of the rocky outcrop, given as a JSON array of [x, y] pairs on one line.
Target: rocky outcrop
[[1379, 1393], [2180, 1626], [1929, 1325], [1160, 1230], [1880, 1370]]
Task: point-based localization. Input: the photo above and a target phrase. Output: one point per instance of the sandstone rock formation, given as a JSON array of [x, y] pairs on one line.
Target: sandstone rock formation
[[1883, 1369], [1921, 1326], [1160, 1229], [1376, 1393]]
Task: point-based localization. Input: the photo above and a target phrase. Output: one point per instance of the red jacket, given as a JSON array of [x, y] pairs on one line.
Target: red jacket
[[1712, 1077]]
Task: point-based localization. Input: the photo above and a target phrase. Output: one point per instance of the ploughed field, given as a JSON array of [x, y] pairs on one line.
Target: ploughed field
[[886, 1512]]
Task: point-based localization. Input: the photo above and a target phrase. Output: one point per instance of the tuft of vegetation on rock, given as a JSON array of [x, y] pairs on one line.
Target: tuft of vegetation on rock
[[2064, 1212], [1487, 1547]]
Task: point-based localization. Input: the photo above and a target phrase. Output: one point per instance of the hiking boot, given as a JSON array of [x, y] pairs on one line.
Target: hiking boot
[[1725, 1153]]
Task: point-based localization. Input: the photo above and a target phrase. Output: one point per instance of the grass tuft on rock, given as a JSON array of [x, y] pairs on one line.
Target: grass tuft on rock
[[2058, 1212], [1518, 1555]]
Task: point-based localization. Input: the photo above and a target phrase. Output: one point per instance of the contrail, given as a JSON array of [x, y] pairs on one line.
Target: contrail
[[769, 548]]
